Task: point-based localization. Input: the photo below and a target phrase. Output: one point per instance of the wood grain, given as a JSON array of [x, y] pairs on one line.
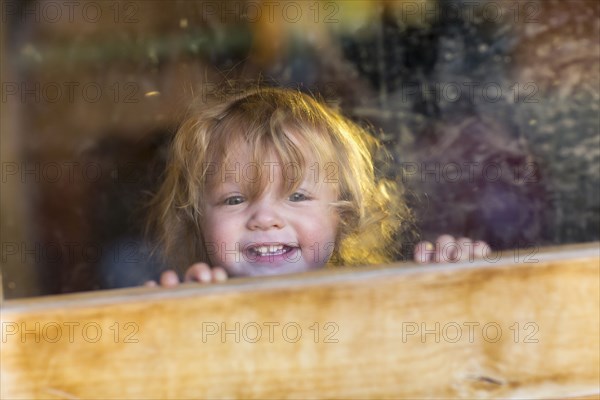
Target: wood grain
[[514, 328]]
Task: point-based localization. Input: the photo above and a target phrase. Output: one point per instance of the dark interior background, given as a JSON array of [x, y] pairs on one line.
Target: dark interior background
[[489, 110]]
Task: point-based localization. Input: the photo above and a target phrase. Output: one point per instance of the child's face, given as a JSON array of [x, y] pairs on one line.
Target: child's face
[[274, 234]]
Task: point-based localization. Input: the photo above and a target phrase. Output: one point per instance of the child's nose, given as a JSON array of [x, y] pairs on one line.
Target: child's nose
[[265, 216]]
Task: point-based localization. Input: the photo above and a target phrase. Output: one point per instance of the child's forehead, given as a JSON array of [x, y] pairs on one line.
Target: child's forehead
[[256, 171], [255, 154], [267, 167], [241, 151]]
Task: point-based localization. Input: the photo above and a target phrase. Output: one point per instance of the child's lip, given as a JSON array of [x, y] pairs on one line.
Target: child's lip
[[289, 263], [271, 243], [276, 256], [251, 246]]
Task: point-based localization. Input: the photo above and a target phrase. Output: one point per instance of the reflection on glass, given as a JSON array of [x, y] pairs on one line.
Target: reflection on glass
[[489, 110]]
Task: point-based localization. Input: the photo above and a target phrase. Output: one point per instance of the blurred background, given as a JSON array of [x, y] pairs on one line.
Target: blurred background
[[489, 111]]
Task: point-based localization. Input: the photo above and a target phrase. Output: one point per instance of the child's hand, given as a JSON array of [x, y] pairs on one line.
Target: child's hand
[[448, 249], [199, 272]]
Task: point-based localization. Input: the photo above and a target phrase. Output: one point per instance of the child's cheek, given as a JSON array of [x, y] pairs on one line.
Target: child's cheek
[[213, 234], [319, 254]]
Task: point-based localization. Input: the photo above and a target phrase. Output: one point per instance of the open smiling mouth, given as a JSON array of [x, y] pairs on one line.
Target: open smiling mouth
[[264, 252]]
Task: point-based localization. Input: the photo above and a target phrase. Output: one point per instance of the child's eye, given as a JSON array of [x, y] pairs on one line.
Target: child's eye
[[233, 200], [298, 197]]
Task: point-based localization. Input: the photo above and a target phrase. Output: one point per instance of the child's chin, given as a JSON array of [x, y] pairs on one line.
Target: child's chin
[[271, 269]]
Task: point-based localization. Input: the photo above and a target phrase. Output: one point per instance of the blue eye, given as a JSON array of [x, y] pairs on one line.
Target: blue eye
[[298, 197], [234, 200]]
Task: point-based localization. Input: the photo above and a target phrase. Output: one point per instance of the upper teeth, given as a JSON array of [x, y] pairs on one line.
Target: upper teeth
[[269, 250]]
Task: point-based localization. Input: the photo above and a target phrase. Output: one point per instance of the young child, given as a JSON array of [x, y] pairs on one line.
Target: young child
[[273, 182]]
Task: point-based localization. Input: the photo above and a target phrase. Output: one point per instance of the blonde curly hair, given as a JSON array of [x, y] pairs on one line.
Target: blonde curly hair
[[296, 128]]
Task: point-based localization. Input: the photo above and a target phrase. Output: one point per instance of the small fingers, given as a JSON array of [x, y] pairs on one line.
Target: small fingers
[[424, 252], [169, 279], [150, 284], [219, 274], [481, 249], [470, 249], [199, 272], [464, 249], [447, 249]]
